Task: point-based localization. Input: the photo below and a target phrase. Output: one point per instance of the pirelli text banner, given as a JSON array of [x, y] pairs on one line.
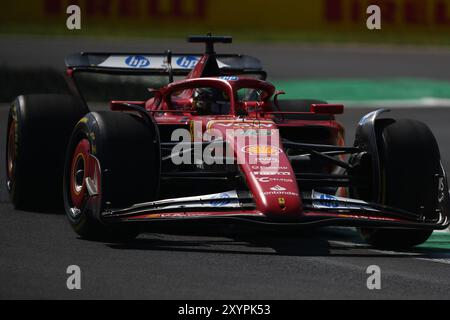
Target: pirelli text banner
[[283, 15]]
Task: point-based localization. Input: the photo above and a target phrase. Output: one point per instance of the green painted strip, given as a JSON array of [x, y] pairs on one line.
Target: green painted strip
[[364, 89], [438, 240]]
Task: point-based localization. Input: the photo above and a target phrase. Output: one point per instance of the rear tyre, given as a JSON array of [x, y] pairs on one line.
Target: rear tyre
[[410, 160], [38, 130], [118, 154]]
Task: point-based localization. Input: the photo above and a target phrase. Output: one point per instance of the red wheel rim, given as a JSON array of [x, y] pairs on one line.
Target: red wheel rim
[[79, 172], [11, 150]]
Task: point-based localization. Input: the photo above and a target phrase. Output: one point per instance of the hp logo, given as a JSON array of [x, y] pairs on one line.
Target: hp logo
[[137, 61], [187, 62]]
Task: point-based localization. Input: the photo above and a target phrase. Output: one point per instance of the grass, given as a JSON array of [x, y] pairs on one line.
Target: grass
[[366, 89]]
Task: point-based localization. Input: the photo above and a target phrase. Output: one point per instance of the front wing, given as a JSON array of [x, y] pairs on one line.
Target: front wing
[[319, 209]]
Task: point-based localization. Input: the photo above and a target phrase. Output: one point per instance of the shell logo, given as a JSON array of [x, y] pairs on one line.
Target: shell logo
[[264, 150]]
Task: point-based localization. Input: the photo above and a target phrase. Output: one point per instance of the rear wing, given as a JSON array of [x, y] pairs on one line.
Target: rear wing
[[154, 63], [100, 76]]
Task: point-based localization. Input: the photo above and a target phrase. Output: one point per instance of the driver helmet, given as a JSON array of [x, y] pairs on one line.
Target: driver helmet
[[211, 101]]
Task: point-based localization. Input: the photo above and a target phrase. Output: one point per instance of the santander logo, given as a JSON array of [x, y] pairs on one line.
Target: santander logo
[[278, 188]]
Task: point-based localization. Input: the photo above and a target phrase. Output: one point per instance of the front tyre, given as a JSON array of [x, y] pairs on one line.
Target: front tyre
[[410, 161], [112, 162]]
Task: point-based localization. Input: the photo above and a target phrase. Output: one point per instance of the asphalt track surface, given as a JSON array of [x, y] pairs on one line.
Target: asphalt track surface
[[282, 61], [329, 263]]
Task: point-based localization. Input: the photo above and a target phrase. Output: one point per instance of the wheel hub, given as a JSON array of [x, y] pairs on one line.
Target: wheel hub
[[78, 173]]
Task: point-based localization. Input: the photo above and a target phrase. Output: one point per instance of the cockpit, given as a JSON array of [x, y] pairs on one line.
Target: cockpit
[[217, 96], [211, 101]]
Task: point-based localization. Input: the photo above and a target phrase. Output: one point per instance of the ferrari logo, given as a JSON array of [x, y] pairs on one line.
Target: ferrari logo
[[282, 202]]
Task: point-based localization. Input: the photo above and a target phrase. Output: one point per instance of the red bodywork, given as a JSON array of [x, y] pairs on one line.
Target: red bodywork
[[276, 194], [271, 189]]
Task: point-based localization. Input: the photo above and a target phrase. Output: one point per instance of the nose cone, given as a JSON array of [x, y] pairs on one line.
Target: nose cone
[[272, 181], [265, 166]]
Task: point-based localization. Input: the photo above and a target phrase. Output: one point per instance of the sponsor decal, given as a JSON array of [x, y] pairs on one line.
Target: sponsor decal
[[178, 215], [327, 201], [268, 168], [250, 132], [271, 179], [284, 193], [137, 61], [353, 216], [265, 150], [229, 78], [236, 124], [278, 188], [220, 200], [172, 215], [187, 62], [264, 160], [272, 173]]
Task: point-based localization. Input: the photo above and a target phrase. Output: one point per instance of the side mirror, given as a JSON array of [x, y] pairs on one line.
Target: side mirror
[[327, 108], [156, 93], [275, 97]]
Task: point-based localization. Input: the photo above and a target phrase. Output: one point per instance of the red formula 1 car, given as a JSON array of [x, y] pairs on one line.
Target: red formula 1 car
[[218, 145]]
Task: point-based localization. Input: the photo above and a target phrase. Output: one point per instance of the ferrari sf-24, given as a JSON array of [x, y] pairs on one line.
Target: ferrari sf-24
[[250, 157]]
